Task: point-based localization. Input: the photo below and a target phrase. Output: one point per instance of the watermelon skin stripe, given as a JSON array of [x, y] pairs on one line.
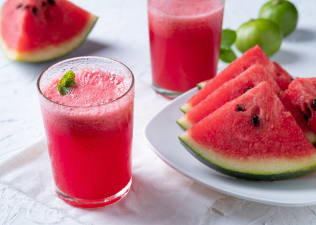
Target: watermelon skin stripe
[[201, 85], [185, 108], [180, 123], [245, 175], [51, 52], [184, 123]]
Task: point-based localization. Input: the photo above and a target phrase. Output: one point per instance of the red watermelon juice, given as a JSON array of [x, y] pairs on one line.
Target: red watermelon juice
[[184, 42], [89, 130]]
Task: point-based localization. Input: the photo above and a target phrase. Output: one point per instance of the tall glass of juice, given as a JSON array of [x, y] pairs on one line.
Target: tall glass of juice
[[89, 129], [184, 42]]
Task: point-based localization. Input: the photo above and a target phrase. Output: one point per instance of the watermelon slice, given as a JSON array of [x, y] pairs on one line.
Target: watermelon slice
[[301, 97], [253, 56], [41, 30], [229, 91], [278, 69], [299, 117], [260, 142]]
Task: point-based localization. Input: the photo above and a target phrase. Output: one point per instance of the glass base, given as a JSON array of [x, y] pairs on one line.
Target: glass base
[[83, 203], [166, 93]]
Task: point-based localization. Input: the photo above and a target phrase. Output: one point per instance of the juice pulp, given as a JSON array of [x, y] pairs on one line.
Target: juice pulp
[[90, 139], [184, 41]]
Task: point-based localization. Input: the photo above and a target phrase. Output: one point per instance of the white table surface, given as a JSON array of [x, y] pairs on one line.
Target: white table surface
[[121, 33]]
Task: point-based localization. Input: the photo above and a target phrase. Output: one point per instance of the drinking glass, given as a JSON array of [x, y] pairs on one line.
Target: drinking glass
[[184, 42], [89, 146]]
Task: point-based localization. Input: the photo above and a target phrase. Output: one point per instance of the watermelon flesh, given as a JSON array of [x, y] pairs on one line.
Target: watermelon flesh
[[261, 142], [299, 117], [39, 30], [227, 92], [301, 97], [278, 69], [253, 56]]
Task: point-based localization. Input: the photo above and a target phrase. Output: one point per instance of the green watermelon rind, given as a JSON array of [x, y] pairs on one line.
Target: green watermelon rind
[[184, 123], [181, 124], [37, 57], [245, 175], [311, 136], [185, 108], [201, 85]]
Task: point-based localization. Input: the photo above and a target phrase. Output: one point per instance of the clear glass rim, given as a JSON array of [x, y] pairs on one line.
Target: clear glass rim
[[177, 16], [85, 57]]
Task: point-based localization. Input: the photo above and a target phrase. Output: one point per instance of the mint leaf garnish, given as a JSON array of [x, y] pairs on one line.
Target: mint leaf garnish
[[66, 82], [228, 38], [227, 55]]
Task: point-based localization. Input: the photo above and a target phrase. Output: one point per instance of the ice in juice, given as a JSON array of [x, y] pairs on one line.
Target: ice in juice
[[184, 41]]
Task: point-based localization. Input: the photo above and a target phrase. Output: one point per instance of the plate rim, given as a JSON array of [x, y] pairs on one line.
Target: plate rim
[[215, 188]]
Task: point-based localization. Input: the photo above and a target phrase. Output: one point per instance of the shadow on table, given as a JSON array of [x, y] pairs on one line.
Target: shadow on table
[[301, 35], [90, 47], [285, 57], [149, 203]]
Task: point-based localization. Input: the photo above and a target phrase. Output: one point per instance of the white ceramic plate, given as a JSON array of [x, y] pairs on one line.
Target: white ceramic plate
[[162, 132]]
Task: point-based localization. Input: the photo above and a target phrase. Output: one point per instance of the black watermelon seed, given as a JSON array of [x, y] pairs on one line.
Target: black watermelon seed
[[19, 6], [239, 108], [255, 120], [34, 10], [314, 104], [305, 117], [247, 89], [43, 3], [51, 2]]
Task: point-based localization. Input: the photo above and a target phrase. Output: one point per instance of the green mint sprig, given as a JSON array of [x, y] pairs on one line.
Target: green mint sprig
[[228, 39], [227, 55], [65, 84]]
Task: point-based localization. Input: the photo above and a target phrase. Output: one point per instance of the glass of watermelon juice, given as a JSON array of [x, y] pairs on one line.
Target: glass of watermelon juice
[[184, 42], [89, 130]]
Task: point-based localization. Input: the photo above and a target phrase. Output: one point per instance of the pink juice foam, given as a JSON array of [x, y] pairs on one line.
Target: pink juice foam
[[184, 41], [90, 139], [92, 88]]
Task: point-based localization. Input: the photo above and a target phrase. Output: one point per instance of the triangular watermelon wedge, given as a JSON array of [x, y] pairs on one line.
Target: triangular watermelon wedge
[[229, 91], [299, 116], [41, 30], [278, 69], [253, 56], [301, 97], [260, 142]]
